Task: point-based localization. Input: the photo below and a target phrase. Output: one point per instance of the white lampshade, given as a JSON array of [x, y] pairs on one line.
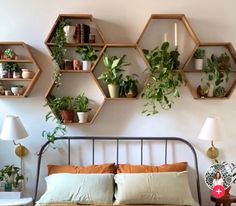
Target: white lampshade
[[13, 129], [210, 130]]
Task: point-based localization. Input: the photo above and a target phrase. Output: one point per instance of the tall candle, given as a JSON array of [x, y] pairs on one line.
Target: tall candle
[[176, 35], [165, 37]]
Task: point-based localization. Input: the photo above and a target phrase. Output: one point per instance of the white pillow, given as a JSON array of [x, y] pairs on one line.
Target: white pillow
[[78, 188], [153, 188]]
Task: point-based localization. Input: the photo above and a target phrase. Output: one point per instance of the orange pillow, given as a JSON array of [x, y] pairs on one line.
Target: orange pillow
[[176, 167], [104, 168]]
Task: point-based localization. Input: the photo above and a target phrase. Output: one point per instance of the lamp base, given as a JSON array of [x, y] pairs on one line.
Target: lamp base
[[21, 151], [212, 152]]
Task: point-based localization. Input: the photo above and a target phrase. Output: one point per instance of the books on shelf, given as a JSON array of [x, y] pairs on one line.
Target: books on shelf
[[82, 33]]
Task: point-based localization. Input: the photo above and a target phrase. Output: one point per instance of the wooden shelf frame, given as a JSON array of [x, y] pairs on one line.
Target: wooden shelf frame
[[122, 46], [30, 60], [228, 46]]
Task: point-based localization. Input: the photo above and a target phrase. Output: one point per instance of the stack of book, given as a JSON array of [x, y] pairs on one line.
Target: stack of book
[[82, 33]]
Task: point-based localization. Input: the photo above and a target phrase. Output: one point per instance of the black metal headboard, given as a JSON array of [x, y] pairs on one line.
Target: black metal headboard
[[118, 139]]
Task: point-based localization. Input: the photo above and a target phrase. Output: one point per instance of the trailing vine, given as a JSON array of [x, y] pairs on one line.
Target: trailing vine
[[164, 79]]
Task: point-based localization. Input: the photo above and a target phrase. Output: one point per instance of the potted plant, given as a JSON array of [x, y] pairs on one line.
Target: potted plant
[[17, 90], [213, 75], [9, 54], [88, 55], [112, 76], [199, 56], [81, 107], [164, 79], [11, 176], [130, 85], [62, 108], [11, 68]]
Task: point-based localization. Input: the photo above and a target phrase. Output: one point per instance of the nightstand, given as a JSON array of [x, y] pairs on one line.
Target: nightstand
[[15, 202], [225, 201]]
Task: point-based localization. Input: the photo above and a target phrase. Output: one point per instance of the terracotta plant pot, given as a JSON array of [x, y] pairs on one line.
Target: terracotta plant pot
[[67, 116], [76, 64]]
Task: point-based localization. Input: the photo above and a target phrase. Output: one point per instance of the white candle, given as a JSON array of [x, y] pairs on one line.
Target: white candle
[[176, 35], [165, 37]]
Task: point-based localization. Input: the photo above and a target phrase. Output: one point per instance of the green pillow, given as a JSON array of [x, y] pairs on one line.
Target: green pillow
[[78, 188], [153, 188]]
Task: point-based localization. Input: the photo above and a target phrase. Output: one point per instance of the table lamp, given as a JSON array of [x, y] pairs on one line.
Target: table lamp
[[211, 132], [14, 130]]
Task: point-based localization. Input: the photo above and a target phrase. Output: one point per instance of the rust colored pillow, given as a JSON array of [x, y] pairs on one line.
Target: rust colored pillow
[[176, 167], [104, 168]]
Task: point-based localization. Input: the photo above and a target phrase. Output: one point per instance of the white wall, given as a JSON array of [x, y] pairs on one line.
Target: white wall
[[121, 22]]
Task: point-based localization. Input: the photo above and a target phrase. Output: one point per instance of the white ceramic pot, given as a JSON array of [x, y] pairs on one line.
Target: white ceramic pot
[[83, 117], [1, 70], [86, 65], [16, 90], [198, 64], [27, 74], [16, 75], [114, 90], [211, 90], [69, 33]]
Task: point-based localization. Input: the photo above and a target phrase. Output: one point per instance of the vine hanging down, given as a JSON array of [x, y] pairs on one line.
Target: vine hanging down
[[164, 79]]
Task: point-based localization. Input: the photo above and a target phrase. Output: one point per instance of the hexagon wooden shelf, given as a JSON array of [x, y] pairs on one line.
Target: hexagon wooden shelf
[[137, 66], [74, 85], [24, 59], [193, 80], [161, 27]]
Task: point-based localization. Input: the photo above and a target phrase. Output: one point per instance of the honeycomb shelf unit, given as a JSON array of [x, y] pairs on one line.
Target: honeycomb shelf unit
[[137, 66], [161, 27], [25, 60], [193, 76]]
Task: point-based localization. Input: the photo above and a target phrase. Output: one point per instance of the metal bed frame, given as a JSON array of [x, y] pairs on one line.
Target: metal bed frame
[[118, 140]]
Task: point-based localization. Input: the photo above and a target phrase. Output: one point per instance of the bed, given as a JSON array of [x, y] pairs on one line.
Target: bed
[[117, 141]]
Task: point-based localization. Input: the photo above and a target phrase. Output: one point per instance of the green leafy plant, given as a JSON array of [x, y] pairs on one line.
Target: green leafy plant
[[11, 174], [213, 71], [58, 51], [54, 114], [81, 103], [12, 67], [113, 69], [87, 53], [130, 85], [164, 79], [199, 54], [9, 53]]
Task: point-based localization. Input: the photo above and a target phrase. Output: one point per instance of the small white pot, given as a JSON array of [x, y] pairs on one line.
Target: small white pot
[[114, 90], [27, 74], [198, 64], [69, 33], [211, 90], [16, 75], [86, 65], [83, 117], [16, 90]]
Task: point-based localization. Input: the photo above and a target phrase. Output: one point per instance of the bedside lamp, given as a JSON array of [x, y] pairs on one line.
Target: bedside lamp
[[211, 132], [14, 130]]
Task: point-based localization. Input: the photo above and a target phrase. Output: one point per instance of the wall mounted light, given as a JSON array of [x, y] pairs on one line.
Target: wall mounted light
[[211, 132], [14, 130]]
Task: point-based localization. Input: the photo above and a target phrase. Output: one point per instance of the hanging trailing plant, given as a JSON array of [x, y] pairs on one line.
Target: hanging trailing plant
[[58, 51], [54, 115], [164, 79]]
